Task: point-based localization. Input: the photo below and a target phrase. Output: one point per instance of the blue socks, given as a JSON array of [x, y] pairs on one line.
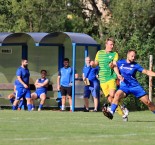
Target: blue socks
[[40, 106], [12, 100], [153, 111], [21, 103], [113, 108], [14, 107], [29, 107]]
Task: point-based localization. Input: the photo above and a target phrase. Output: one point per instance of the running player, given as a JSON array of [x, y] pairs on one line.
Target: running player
[[107, 76], [130, 85]]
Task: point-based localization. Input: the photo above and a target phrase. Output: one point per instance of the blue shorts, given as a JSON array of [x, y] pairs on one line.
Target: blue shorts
[[137, 91], [39, 92], [22, 93], [93, 88]]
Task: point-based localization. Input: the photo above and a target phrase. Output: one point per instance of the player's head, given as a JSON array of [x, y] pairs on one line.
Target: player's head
[[87, 61], [66, 62], [24, 63], [109, 44], [131, 55], [43, 73]]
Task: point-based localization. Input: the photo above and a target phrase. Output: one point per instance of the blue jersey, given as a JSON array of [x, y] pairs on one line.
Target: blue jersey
[[90, 72], [44, 88], [65, 76], [128, 71], [24, 74]]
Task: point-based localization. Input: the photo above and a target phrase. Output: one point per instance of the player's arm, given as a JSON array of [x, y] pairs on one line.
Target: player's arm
[[21, 81], [83, 77], [44, 84], [95, 63], [113, 63], [58, 81], [76, 75], [117, 73], [148, 72], [36, 84]]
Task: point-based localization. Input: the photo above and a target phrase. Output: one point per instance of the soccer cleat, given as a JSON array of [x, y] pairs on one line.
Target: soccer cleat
[[94, 110], [86, 110], [125, 119], [107, 113], [126, 113], [32, 109], [39, 109]]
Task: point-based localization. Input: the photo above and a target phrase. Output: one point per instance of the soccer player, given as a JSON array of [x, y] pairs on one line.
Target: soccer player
[[105, 59], [22, 85], [64, 83], [41, 90], [94, 87], [129, 85]]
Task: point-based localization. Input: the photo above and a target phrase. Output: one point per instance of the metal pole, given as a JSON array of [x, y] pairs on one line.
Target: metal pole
[[73, 76], [150, 78]]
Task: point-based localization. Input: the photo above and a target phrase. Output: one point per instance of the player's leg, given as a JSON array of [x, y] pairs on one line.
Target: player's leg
[[19, 95], [117, 98], [69, 93], [11, 97], [63, 93], [28, 99], [42, 101], [86, 97], [109, 89], [21, 103], [146, 101], [95, 94], [33, 97]]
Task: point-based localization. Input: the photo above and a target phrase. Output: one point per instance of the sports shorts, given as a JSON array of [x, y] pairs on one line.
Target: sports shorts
[[93, 88], [22, 93], [137, 91], [108, 86], [66, 91]]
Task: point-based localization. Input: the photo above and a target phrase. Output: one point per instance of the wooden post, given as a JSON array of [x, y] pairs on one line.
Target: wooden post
[[150, 78]]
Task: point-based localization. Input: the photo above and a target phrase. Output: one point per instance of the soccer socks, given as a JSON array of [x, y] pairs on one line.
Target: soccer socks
[[12, 100], [14, 107], [70, 108], [29, 106], [63, 107], [119, 110], [20, 104], [113, 108], [153, 111], [40, 106]]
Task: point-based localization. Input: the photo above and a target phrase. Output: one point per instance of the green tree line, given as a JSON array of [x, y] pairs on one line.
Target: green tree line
[[130, 22]]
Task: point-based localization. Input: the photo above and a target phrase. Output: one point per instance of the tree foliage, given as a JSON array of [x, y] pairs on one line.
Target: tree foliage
[[130, 22]]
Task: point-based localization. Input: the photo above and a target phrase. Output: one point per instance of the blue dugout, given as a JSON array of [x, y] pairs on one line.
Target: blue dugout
[[65, 44]]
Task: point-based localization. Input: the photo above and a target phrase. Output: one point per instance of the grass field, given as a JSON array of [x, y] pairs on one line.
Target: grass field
[[78, 128]]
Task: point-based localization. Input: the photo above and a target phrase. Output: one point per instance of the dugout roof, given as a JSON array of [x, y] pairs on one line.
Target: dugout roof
[[46, 38]]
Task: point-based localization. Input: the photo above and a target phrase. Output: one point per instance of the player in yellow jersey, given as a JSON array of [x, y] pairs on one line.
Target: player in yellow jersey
[[106, 59]]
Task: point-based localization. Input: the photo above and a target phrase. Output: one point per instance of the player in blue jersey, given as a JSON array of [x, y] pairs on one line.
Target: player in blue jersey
[[94, 87], [64, 83], [22, 85], [41, 90], [129, 84]]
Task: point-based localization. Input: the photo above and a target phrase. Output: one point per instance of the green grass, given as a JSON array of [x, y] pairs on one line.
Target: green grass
[[78, 128]]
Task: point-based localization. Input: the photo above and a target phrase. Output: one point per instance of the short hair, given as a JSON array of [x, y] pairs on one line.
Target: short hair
[[23, 60], [66, 59], [131, 50], [43, 70], [110, 39]]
